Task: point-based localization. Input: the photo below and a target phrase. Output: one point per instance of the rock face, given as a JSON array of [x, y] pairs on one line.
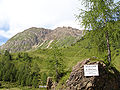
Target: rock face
[[63, 32], [25, 40], [108, 79], [34, 38]]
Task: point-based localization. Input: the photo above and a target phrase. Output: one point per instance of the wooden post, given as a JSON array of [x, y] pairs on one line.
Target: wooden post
[[49, 83]]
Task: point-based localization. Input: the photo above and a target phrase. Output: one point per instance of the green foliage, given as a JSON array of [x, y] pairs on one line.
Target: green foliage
[[35, 81], [97, 13], [7, 68], [32, 68], [29, 80], [23, 57], [43, 78], [56, 64], [6, 56], [20, 73], [100, 16]]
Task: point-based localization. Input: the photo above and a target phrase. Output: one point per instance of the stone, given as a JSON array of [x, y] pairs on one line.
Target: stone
[[108, 79]]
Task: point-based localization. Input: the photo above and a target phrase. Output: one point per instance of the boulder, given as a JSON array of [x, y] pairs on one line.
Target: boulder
[[108, 79]]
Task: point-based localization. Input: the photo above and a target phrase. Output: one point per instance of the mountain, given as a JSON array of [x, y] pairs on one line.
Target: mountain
[[34, 38]]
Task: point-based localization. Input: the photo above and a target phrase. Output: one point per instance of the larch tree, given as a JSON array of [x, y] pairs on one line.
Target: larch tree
[[100, 15], [56, 64]]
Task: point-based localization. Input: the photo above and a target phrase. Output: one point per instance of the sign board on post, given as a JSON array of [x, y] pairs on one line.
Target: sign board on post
[[91, 70]]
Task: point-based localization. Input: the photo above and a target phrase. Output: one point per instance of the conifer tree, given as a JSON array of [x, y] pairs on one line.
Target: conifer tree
[[56, 64], [99, 15], [6, 56], [35, 81], [29, 80], [44, 78]]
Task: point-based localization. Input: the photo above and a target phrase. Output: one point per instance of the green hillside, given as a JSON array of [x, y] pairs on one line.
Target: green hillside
[[31, 56], [32, 68]]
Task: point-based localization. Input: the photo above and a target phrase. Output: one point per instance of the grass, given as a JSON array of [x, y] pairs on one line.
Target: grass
[[74, 54], [23, 88], [71, 56], [14, 86]]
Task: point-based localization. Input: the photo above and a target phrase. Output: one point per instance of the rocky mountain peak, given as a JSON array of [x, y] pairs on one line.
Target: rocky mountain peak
[[40, 37]]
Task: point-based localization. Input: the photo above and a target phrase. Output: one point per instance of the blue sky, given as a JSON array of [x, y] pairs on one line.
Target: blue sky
[[18, 15], [3, 40]]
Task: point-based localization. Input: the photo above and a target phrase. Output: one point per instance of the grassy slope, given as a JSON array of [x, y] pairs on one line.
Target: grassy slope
[[74, 54], [71, 55]]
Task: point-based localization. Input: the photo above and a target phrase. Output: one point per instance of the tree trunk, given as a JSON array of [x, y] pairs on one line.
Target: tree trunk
[[57, 76], [108, 47]]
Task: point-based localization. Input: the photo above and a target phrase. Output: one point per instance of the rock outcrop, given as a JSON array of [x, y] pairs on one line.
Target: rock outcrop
[[108, 79], [34, 38], [25, 40]]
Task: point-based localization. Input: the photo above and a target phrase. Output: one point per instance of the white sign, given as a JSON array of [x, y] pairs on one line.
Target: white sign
[[91, 70]]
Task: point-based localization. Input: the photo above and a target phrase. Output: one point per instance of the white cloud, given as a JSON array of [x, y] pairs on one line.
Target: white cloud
[[23, 14], [70, 23]]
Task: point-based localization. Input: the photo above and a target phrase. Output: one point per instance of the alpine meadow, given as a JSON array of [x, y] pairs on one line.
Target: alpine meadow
[[30, 57]]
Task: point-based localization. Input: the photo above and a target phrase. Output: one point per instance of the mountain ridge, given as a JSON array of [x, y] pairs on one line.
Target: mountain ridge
[[34, 37]]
